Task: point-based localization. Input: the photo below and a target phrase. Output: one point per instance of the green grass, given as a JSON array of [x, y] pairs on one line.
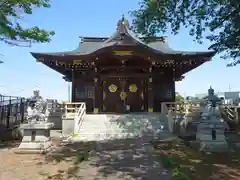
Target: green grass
[[188, 164], [169, 162]]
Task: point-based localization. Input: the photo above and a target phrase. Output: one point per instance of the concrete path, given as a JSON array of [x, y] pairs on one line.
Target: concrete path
[[128, 159]]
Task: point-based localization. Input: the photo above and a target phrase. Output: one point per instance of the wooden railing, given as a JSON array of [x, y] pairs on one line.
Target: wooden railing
[[172, 109], [76, 111], [231, 112], [187, 112], [79, 117], [70, 109], [178, 107]]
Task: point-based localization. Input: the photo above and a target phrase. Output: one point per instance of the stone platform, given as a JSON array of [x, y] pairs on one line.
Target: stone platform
[[214, 146], [36, 138]]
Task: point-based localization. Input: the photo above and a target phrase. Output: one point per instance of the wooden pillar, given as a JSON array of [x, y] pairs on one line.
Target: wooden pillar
[[123, 94], [73, 86], [173, 91], [97, 95], [150, 95]]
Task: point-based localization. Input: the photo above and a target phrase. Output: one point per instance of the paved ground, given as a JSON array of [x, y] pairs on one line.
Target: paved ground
[[113, 160]]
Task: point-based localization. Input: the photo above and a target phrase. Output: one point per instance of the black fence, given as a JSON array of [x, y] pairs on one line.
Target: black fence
[[12, 110]]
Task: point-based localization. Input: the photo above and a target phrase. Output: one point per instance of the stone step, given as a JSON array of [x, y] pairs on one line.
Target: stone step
[[100, 127]]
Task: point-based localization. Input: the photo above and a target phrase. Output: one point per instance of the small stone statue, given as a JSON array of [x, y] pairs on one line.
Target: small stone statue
[[211, 101], [37, 109]]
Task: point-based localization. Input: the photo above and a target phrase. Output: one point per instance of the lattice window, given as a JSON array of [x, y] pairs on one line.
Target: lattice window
[[169, 93], [89, 91], [80, 92], [84, 92]]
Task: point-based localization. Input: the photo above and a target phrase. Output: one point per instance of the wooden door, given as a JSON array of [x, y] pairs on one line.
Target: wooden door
[[135, 94], [111, 96]]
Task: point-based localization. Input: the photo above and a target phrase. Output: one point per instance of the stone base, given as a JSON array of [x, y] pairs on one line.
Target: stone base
[[214, 146], [36, 138], [33, 147]]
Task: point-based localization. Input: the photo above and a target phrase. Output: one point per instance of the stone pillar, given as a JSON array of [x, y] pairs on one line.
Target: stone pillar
[[150, 95], [97, 101]]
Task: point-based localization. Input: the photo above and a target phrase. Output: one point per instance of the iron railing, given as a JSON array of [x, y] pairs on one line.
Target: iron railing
[[12, 110]]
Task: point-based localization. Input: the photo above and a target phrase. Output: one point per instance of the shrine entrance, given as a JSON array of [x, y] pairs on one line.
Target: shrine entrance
[[111, 96], [135, 94], [122, 95]]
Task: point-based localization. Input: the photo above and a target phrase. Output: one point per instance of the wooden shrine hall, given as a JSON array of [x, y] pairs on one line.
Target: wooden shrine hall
[[123, 73]]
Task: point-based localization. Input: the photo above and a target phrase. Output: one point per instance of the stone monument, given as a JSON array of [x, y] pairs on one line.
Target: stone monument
[[36, 133], [210, 130]]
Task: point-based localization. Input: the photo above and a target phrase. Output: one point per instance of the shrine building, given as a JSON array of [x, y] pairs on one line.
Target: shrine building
[[123, 73]]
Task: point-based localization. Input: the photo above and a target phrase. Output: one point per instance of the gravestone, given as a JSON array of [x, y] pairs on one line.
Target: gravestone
[[210, 130], [36, 133]]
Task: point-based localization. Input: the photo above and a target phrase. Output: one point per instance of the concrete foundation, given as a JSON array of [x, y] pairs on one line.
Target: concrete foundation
[[67, 126]]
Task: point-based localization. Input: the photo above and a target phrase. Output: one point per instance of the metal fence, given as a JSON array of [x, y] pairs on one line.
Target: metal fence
[[12, 110]]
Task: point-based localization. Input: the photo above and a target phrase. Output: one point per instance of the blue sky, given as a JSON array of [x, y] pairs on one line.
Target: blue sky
[[20, 73]]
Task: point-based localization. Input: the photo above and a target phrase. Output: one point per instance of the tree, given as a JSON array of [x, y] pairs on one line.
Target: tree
[[215, 20], [12, 32], [179, 98]]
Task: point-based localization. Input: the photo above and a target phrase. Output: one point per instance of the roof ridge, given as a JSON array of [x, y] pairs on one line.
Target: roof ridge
[[89, 38]]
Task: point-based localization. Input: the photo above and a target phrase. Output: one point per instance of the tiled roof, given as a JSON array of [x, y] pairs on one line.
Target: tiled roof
[[158, 45]]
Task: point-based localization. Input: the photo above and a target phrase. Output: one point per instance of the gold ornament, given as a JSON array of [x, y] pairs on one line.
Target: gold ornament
[[112, 88], [103, 107], [104, 95], [133, 88], [95, 110], [150, 110], [123, 95]]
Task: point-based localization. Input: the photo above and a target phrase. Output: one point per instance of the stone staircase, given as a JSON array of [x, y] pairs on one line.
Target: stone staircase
[[100, 127]]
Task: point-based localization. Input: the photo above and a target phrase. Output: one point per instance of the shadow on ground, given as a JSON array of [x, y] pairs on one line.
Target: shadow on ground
[[140, 123], [116, 159], [201, 166], [9, 144], [153, 125]]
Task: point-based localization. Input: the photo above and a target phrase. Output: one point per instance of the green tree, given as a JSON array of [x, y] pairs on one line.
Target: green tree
[[179, 98], [11, 30], [215, 20]]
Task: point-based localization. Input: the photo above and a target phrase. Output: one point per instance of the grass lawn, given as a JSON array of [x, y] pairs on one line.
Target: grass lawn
[[189, 164]]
